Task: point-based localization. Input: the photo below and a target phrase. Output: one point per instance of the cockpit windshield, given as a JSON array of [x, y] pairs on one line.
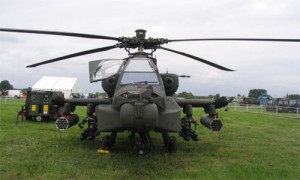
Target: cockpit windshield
[[102, 69], [139, 71]]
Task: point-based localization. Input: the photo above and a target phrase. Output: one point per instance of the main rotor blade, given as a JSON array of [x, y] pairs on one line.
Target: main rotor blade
[[74, 55], [92, 36], [198, 59], [236, 39]]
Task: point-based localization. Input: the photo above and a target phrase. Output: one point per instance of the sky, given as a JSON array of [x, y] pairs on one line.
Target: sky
[[274, 66]]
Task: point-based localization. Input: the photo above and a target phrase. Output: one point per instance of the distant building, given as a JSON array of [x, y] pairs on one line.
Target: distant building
[[264, 98], [66, 85], [14, 93]]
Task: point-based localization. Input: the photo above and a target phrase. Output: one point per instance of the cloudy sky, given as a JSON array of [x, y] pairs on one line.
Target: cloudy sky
[[274, 66]]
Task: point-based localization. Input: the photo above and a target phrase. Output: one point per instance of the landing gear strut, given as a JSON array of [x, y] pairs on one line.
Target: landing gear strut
[[108, 141]]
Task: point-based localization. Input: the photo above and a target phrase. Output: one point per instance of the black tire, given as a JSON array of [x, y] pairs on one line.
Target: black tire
[[172, 144]]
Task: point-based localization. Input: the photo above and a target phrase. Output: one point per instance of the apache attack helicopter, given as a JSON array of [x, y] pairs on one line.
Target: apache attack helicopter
[[139, 97]]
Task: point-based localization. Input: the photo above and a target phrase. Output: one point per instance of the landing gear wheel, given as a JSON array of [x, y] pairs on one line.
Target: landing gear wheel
[[172, 144], [107, 143]]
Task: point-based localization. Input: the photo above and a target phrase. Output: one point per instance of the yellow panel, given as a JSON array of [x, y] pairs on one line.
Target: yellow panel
[[33, 107], [45, 107]]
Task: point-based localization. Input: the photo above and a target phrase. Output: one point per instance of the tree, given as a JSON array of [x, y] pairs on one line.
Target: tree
[[101, 94], [5, 85], [217, 96], [255, 93], [186, 95], [294, 96], [231, 98], [26, 89]]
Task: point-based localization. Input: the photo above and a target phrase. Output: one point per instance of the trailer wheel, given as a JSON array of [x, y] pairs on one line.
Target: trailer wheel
[[38, 118]]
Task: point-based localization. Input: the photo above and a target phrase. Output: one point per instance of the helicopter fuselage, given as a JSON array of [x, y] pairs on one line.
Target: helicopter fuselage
[[139, 102]]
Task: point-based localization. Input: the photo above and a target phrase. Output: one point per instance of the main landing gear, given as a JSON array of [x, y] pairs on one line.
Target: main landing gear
[[170, 142], [141, 142], [107, 143]]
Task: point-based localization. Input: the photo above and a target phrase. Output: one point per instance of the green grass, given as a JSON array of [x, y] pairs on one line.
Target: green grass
[[251, 146]]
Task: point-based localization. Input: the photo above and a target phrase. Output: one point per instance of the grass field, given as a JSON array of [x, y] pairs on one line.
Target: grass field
[[251, 146]]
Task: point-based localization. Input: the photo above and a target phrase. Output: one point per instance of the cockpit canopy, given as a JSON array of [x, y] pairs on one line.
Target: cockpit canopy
[[102, 69], [122, 75], [139, 71], [136, 70]]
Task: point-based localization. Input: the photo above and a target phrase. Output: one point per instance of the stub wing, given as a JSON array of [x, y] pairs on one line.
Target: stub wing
[[210, 120], [60, 101], [219, 103]]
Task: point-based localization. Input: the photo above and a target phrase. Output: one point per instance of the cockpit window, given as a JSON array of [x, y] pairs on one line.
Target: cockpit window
[[139, 65], [139, 78], [139, 71], [102, 69]]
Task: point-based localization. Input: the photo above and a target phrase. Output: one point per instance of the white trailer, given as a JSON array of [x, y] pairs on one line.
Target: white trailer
[[14, 93]]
